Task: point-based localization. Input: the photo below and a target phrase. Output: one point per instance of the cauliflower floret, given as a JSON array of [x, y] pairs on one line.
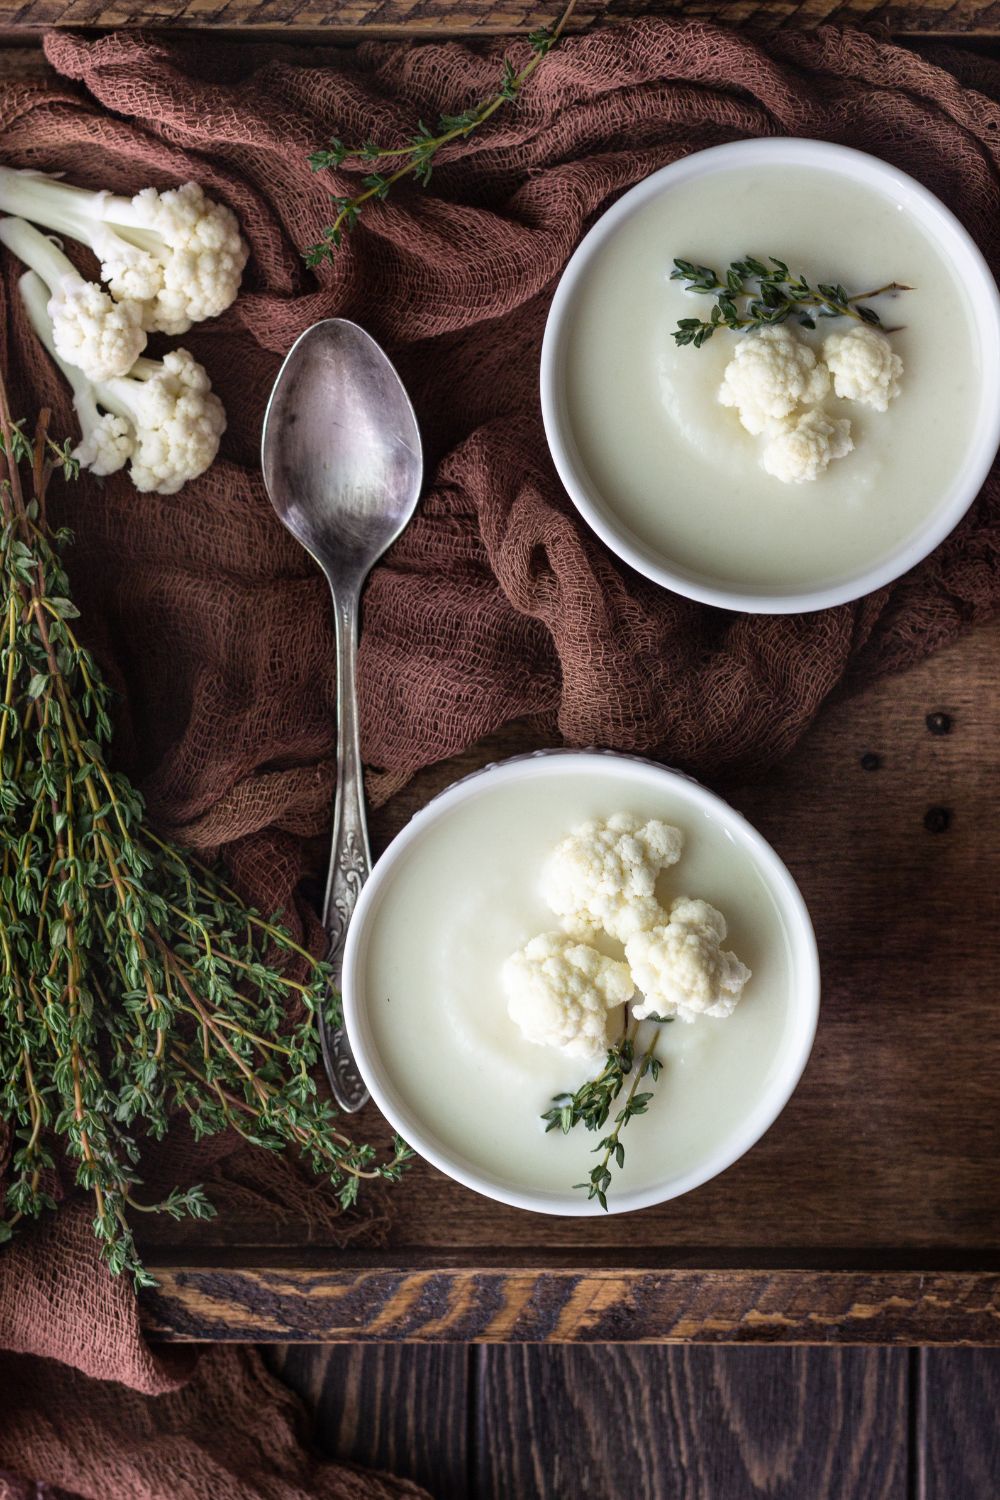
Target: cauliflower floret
[[864, 366], [107, 443], [561, 992], [770, 375], [680, 966], [603, 875], [801, 451], [199, 248], [175, 418], [101, 337]]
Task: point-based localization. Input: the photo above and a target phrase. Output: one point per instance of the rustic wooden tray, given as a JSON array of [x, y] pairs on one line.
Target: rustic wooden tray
[[870, 1213], [871, 1210]]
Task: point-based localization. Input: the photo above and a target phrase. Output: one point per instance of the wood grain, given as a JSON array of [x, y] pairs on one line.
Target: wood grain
[[958, 1434], [436, 18], [691, 1424], [515, 1305], [403, 1409]]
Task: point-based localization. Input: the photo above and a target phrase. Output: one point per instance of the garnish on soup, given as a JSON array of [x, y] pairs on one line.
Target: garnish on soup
[[776, 381], [753, 295], [562, 990]]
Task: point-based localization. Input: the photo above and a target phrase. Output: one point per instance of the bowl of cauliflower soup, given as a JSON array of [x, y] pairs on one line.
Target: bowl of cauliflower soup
[[533, 917], [770, 377]]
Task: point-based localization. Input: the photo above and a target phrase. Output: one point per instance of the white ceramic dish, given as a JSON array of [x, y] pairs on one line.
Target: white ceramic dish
[[534, 776], [942, 514]]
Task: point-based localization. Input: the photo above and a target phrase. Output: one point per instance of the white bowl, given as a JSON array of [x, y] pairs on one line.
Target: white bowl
[[797, 1039], [941, 226]]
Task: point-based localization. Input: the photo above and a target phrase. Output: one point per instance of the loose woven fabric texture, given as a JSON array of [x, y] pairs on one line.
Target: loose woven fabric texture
[[215, 628]]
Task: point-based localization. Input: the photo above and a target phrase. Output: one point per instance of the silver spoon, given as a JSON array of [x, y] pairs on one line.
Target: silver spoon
[[343, 468]]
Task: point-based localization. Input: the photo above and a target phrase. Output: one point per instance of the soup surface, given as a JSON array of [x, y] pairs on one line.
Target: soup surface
[[465, 894], [676, 469]]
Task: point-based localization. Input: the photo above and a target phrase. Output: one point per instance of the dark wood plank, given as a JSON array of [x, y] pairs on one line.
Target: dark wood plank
[[691, 1424], [423, 18], [958, 1429], [469, 1304], [393, 1407], [18, 61]]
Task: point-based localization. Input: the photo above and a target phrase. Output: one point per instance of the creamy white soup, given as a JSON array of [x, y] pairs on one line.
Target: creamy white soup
[[676, 469], [466, 894]]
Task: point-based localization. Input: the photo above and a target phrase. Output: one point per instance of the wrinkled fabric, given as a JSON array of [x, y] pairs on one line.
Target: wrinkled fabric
[[215, 628], [232, 1432]]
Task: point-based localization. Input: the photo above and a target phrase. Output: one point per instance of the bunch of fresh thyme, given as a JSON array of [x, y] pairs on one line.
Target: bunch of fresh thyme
[[135, 985], [416, 157], [592, 1103], [755, 295]]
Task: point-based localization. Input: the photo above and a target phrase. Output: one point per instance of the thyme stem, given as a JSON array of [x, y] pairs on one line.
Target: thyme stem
[[417, 156]]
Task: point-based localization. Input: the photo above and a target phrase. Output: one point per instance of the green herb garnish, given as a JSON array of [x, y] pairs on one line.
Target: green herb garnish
[[592, 1103], [136, 988], [753, 294], [416, 158]]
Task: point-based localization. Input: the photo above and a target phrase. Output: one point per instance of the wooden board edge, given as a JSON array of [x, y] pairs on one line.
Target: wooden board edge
[[490, 1305], [24, 27]]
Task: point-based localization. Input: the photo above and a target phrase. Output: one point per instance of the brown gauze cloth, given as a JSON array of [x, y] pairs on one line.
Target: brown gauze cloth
[[498, 602]]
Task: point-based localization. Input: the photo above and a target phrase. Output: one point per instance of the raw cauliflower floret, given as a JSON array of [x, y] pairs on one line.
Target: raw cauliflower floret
[[864, 366], [561, 992], [176, 420], [681, 968], [772, 374], [602, 876], [101, 337], [97, 335], [163, 415], [801, 451], [106, 445], [198, 246]]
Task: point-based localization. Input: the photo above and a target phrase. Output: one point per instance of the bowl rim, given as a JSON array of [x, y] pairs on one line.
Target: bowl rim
[[934, 216], [796, 1047]]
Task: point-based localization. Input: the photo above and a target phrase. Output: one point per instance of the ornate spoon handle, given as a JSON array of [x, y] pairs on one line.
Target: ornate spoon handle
[[350, 858]]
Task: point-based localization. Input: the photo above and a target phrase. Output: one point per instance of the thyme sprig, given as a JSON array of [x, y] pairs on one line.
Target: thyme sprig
[[136, 988], [753, 294], [594, 1100], [416, 158]]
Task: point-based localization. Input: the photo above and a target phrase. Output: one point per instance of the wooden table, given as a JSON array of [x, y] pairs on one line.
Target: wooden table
[[870, 1213]]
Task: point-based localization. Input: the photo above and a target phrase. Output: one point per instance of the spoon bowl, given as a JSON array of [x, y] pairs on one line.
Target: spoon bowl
[[342, 464], [341, 448]]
